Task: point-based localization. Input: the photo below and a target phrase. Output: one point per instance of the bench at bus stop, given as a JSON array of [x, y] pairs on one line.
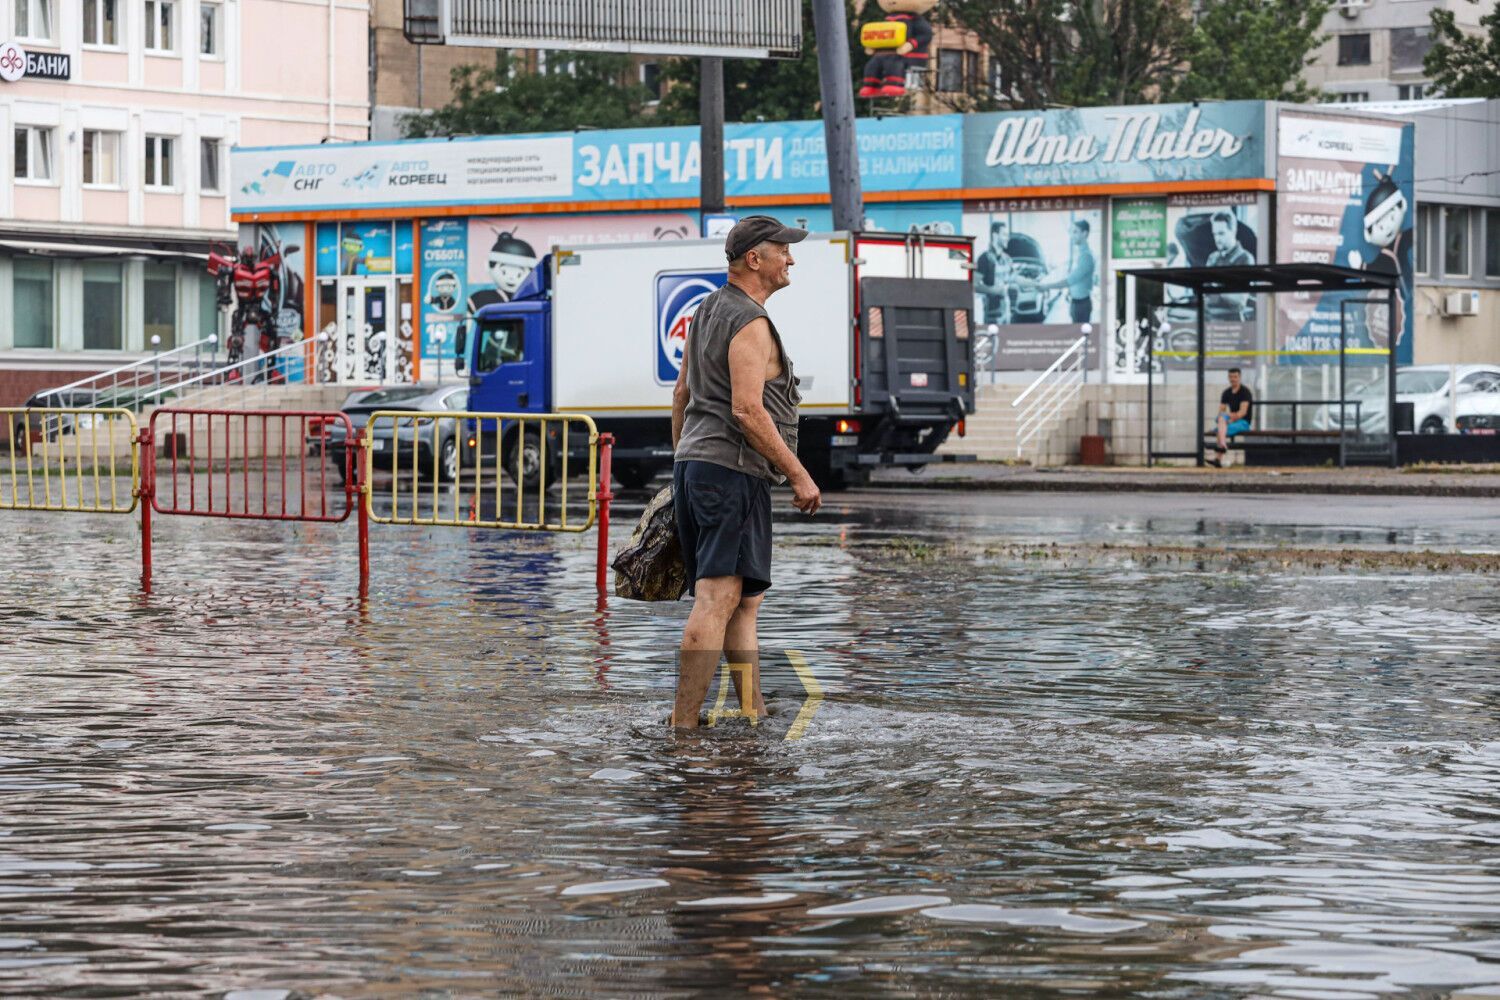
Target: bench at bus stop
[[1264, 445]]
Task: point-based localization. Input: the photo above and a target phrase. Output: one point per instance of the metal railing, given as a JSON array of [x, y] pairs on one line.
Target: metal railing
[[470, 470], [125, 382], [262, 369], [1051, 392], [69, 471]]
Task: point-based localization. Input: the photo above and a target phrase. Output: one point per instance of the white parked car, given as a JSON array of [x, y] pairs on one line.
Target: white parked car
[[1426, 388]]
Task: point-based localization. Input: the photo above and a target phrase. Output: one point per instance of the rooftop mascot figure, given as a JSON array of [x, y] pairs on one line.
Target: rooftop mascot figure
[[895, 45]]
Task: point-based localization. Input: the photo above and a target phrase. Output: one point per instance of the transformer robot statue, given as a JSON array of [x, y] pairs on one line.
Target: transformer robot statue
[[250, 285]]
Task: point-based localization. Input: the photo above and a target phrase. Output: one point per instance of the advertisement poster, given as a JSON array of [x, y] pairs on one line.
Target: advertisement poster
[[502, 250], [1037, 275], [1197, 230], [1143, 144], [285, 300], [1345, 197], [445, 252]]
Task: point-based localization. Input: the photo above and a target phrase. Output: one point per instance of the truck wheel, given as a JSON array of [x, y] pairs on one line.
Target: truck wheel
[[633, 475], [530, 458], [829, 479]]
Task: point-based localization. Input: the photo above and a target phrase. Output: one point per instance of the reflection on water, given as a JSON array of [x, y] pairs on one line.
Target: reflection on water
[[1024, 778]]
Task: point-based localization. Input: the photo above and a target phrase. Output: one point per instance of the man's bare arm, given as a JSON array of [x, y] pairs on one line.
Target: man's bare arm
[[750, 353], [679, 401]]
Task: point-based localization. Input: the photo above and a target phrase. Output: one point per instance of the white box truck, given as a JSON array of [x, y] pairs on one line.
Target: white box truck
[[878, 325]]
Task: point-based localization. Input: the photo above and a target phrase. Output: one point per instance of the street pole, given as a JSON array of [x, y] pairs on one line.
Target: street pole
[[711, 137], [837, 88]]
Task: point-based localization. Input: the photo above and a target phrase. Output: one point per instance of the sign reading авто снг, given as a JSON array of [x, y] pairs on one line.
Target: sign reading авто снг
[[1144, 144]]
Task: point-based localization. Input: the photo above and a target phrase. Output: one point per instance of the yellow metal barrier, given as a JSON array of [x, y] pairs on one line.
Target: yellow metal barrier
[[72, 459], [500, 464]]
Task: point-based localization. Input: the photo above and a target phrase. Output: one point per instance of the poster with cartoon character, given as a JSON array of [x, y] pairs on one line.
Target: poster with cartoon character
[[503, 250], [444, 292], [1344, 196]]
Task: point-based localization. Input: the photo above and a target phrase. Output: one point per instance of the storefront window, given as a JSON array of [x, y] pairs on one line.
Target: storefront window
[[208, 307], [160, 298], [103, 305], [32, 290]]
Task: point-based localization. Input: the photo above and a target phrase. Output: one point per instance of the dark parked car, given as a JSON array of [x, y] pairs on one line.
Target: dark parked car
[[412, 445], [50, 426]]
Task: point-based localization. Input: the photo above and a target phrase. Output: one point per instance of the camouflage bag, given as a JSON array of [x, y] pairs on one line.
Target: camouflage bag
[[650, 568]]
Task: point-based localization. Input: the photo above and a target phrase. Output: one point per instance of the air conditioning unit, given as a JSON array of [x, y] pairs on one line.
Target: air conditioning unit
[[1351, 8], [1461, 304]]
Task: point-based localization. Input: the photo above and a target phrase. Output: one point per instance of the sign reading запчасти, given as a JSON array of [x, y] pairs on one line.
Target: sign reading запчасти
[[1115, 145]]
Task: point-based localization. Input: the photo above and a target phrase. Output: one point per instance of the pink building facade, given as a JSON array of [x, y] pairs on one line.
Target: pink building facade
[[114, 172]]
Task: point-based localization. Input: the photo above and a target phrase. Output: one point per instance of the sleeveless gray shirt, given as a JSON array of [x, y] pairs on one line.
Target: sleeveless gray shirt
[[710, 432]]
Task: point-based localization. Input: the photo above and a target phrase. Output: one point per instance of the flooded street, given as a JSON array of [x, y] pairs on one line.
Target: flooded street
[[1088, 776]]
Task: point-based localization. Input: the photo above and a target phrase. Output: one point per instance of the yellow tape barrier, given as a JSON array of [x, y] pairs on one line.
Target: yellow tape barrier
[[497, 464], [71, 459]]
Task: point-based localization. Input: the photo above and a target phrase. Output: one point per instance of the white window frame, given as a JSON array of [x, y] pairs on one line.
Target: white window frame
[[118, 138], [217, 54], [48, 10], [151, 27], [31, 179], [218, 146], [153, 159], [119, 43]]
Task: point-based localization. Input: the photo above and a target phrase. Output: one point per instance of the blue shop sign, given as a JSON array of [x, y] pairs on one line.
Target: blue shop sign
[[1131, 145]]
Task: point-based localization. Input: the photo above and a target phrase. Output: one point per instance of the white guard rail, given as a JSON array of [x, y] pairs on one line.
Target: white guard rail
[[1040, 404]]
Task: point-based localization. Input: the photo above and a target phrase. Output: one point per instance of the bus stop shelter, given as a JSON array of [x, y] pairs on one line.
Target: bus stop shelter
[[1365, 437]]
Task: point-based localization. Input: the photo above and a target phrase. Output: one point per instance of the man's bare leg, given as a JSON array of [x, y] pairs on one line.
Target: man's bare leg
[[1223, 423], [742, 645], [715, 600]]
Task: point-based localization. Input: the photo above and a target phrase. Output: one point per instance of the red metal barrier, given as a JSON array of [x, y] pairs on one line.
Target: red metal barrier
[[601, 560], [224, 455]]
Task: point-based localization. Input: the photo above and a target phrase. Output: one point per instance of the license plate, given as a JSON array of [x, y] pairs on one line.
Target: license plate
[[844, 440], [377, 445], [919, 380], [1481, 430]]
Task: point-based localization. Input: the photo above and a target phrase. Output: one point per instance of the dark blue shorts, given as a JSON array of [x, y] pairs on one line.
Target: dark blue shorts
[[724, 523]]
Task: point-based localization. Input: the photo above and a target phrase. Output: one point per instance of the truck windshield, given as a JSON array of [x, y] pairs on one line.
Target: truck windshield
[[500, 342]]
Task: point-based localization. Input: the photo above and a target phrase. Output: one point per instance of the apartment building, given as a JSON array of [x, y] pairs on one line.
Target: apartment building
[[119, 116], [1374, 48]]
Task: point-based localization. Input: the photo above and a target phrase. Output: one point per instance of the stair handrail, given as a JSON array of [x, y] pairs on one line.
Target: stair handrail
[[285, 350], [114, 373], [1071, 373]]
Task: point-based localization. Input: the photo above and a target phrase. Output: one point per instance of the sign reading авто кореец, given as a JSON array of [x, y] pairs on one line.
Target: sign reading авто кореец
[[1132, 145]]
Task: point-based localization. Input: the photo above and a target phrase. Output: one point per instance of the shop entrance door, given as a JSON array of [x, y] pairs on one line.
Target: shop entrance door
[[366, 339]]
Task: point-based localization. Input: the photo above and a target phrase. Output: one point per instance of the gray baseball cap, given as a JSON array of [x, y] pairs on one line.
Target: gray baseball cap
[[753, 230]]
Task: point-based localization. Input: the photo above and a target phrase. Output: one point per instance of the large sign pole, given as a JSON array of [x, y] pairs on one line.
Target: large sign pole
[[711, 136], [837, 88]]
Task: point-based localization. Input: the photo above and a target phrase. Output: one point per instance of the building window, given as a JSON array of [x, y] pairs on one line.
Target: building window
[[159, 15], [33, 154], [950, 75], [1352, 97], [1354, 50], [1424, 239], [1409, 47], [159, 150], [34, 20], [31, 290], [651, 79], [103, 305], [101, 158], [159, 295], [101, 22], [1492, 243], [1455, 241], [1410, 91], [208, 170], [210, 16]]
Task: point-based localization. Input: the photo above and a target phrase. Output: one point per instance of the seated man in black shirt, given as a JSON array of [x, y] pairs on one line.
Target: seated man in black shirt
[[1234, 414]]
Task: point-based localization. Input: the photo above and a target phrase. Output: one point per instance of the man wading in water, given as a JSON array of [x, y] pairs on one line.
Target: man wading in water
[[734, 433]]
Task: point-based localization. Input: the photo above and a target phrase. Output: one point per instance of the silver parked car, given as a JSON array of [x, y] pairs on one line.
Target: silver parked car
[[413, 445]]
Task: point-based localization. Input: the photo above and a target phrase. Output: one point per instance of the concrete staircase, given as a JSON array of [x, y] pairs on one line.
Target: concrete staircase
[[992, 430]]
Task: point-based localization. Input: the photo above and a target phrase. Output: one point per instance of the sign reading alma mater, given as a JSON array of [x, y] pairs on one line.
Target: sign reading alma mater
[[1143, 144]]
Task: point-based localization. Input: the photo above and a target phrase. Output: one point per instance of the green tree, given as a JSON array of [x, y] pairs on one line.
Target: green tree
[[1081, 53], [595, 92], [1251, 50], [1461, 64], [760, 89]]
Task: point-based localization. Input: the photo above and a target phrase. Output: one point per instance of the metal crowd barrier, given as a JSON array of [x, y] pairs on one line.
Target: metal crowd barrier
[[488, 470], [273, 465], [71, 459]]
